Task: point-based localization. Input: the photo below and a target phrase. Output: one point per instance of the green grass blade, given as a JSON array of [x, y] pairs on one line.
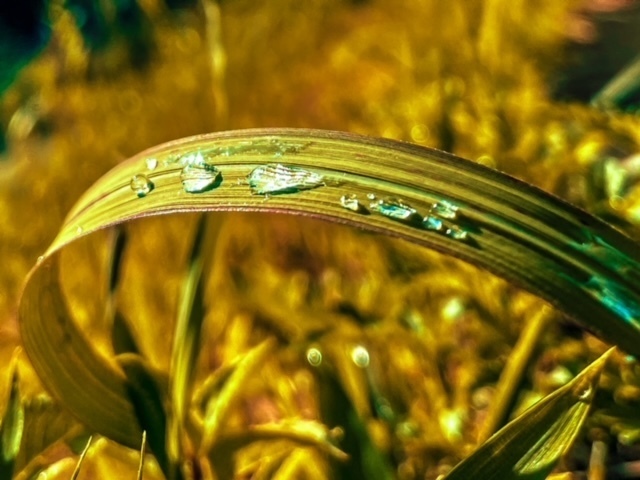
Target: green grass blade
[[575, 261], [76, 471], [531, 445], [12, 428]]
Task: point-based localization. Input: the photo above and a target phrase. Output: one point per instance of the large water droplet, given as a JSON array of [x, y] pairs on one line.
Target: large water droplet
[[276, 179], [457, 233], [351, 202], [141, 185], [360, 356], [432, 223], [396, 210], [444, 209], [314, 357], [199, 174], [199, 179]]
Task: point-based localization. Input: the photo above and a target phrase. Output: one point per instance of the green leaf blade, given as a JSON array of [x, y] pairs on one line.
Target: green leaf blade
[[530, 446]]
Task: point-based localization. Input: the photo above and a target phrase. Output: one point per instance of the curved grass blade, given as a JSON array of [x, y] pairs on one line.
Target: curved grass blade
[[531, 445], [12, 427], [575, 261], [46, 424], [186, 346]]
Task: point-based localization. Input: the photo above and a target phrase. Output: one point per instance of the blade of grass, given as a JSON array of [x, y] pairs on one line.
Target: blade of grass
[[531, 445], [186, 346], [12, 427], [148, 400], [573, 260], [513, 372], [143, 451], [76, 471], [218, 406]]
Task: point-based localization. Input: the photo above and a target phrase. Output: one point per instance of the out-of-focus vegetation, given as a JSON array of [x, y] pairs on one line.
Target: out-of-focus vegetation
[[412, 364]]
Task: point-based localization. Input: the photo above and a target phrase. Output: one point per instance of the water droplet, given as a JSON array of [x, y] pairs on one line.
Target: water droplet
[[371, 196], [141, 185], [395, 209], [152, 163], [457, 233], [432, 223], [586, 393], [199, 174], [444, 209], [314, 357], [40, 259], [360, 356], [199, 179], [351, 202], [79, 230], [275, 179]]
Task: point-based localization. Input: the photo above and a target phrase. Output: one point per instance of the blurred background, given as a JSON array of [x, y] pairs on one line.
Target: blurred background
[[544, 90]]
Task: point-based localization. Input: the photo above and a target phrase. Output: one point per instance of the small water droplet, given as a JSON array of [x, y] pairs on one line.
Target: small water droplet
[[457, 233], [199, 174], [444, 209], [141, 185], [40, 259], [371, 196], [351, 202], [276, 179], [314, 357], [79, 230], [360, 356], [395, 209], [152, 163], [432, 223], [586, 393]]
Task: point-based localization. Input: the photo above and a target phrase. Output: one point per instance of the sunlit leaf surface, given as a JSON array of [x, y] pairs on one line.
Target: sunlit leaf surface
[[573, 260]]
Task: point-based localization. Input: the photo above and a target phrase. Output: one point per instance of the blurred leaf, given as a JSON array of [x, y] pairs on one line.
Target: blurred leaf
[[148, 399], [12, 427], [219, 405], [530, 446], [143, 451], [302, 432], [122, 339], [46, 423], [76, 472], [366, 461], [186, 347], [575, 261]]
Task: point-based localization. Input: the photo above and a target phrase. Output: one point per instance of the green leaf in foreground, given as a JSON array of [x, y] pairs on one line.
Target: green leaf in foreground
[[530, 446], [12, 427], [573, 260]]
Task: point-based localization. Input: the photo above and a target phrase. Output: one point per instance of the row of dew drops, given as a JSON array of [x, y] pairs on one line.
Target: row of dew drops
[[199, 175]]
